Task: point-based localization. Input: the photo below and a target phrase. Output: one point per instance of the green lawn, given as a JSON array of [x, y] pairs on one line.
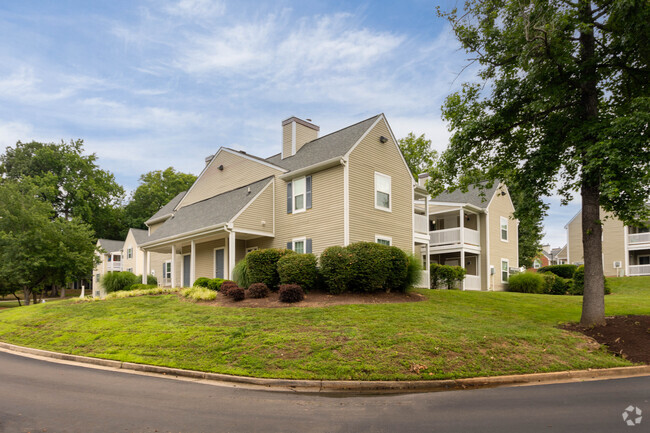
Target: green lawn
[[453, 334]]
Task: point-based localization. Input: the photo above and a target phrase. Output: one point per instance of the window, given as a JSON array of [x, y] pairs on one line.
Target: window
[[299, 246], [129, 253], [250, 249], [504, 270], [97, 277], [537, 264], [167, 270], [299, 192], [382, 191], [644, 260], [504, 229], [383, 240]]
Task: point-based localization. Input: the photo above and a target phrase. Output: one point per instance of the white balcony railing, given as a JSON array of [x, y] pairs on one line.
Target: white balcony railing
[[421, 224], [114, 267], [472, 282], [639, 270], [452, 236], [638, 238]]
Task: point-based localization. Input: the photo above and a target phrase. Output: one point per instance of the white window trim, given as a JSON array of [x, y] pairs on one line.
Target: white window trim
[[304, 243], [390, 193], [214, 261], [251, 249], [293, 196], [170, 269], [537, 263], [384, 238], [501, 269], [129, 252], [507, 239]]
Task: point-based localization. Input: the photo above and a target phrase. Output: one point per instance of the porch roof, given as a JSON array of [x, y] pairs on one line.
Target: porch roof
[[473, 196], [210, 212]]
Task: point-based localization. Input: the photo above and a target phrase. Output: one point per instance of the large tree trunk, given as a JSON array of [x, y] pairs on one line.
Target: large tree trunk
[[593, 300], [63, 291], [27, 294]]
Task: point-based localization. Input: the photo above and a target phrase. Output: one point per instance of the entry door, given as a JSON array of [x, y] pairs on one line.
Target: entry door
[[219, 265], [187, 262]]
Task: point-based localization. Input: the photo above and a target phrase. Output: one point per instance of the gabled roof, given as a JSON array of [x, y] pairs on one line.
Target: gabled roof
[[110, 245], [324, 148], [168, 208], [209, 212], [473, 195], [140, 236]]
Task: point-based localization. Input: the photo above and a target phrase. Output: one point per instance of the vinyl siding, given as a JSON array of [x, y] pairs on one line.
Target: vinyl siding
[[368, 157], [575, 240], [613, 242], [304, 135], [154, 227], [501, 206], [261, 209], [237, 171], [133, 262], [205, 257]]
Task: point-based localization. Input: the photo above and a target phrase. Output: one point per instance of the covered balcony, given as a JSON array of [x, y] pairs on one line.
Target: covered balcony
[[639, 263], [113, 262], [638, 236], [471, 263], [454, 228]]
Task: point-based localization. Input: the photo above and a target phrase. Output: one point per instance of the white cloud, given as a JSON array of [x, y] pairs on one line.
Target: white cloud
[[192, 9], [12, 132]]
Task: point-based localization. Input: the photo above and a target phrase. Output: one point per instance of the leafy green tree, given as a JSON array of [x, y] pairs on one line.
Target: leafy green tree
[[564, 105], [35, 246], [530, 213], [156, 189], [71, 181], [418, 153]]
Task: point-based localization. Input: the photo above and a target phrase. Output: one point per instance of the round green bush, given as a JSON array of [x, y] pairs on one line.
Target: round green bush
[[298, 269], [564, 271], [291, 293], [335, 263], [578, 287], [115, 281], [202, 282], [215, 284], [526, 282], [397, 276], [263, 266], [369, 267], [258, 290]]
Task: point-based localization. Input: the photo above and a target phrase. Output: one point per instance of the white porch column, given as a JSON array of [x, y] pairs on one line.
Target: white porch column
[[192, 263], [428, 259], [173, 266], [462, 244], [231, 254], [626, 263], [145, 267]]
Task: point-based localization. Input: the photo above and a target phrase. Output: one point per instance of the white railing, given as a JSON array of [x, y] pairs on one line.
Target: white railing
[[638, 238], [114, 266], [639, 270], [421, 224], [452, 236], [472, 282]]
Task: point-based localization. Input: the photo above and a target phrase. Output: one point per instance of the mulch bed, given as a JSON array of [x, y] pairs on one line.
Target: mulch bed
[[320, 299], [626, 336]]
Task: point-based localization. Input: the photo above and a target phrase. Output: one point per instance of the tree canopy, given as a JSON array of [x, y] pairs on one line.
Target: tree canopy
[[71, 181], [564, 105], [418, 153], [156, 189]]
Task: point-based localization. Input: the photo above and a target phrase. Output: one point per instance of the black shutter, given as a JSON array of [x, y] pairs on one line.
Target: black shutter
[[308, 246], [289, 245], [308, 188], [289, 198]]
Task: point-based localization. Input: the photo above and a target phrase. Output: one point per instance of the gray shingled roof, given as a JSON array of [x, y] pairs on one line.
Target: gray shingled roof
[[326, 147], [111, 245], [218, 209], [472, 196], [168, 208], [140, 236]]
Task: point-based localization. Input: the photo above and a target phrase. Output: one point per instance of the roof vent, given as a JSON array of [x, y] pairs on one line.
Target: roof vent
[[208, 159]]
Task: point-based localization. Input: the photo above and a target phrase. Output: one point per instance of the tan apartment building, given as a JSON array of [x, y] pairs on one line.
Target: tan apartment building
[[626, 250], [475, 230], [347, 186], [110, 260]]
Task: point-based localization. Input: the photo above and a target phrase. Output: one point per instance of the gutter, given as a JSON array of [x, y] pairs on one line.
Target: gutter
[[332, 162]]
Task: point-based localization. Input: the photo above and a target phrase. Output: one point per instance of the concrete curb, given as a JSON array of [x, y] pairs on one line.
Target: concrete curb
[[344, 386]]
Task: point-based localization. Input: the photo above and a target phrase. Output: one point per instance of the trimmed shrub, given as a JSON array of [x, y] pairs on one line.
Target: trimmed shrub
[[215, 284], [140, 286], [226, 286], [291, 293], [335, 263], [369, 267], [114, 281], [578, 286], [240, 273], [298, 269], [445, 275], [237, 293], [564, 271], [152, 280], [201, 282], [263, 266], [258, 290], [199, 293], [398, 270], [526, 282]]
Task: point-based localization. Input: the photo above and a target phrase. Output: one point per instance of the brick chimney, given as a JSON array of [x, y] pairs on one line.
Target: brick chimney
[[295, 134]]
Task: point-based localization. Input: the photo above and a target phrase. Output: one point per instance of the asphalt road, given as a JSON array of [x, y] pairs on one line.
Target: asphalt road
[[39, 396]]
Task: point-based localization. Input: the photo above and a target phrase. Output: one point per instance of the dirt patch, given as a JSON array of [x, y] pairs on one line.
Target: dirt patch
[[626, 336], [320, 299]]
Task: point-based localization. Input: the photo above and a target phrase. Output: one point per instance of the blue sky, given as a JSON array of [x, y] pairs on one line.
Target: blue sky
[[153, 84]]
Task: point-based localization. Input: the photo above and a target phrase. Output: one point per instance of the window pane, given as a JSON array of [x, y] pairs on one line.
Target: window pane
[[300, 202], [383, 241], [299, 247], [382, 183], [383, 200]]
